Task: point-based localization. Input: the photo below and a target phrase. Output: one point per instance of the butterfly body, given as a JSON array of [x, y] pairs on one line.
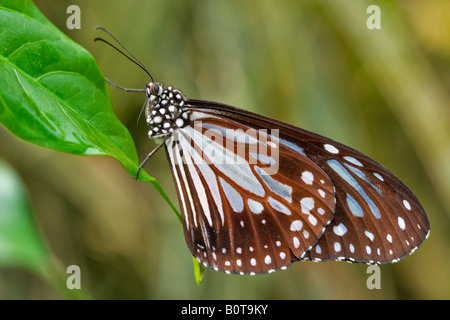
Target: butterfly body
[[256, 193], [164, 110]]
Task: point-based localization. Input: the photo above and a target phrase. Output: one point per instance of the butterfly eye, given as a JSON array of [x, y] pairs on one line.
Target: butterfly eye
[[154, 89]]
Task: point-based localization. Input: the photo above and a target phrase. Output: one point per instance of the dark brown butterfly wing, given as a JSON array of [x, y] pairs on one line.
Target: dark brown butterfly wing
[[374, 217]]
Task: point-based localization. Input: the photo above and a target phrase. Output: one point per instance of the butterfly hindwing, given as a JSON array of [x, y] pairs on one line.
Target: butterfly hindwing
[[377, 218]]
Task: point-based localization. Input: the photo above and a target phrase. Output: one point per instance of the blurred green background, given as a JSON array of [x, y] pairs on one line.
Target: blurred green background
[[313, 64]]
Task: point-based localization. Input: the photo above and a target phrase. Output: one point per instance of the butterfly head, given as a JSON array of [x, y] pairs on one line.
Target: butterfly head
[[153, 90], [164, 110]]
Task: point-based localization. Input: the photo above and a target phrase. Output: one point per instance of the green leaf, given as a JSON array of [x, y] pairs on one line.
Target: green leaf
[[20, 243], [53, 94]]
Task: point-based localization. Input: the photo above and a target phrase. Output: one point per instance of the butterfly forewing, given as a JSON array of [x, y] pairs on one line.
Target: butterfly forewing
[[239, 218]]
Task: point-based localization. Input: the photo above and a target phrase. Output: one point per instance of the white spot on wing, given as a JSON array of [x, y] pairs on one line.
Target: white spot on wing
[[307, 177], [389, 238], [306, 234], [340, 229], [296, 242], [407, 205], [312, 219], [318, 249], [401, 223], [322, 193], [369, 235], [337, 247], [307, 204], [296, 225], [352, 248], [330, 148]]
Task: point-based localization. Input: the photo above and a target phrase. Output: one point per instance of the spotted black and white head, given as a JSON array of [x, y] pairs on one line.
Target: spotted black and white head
[[164, 110]]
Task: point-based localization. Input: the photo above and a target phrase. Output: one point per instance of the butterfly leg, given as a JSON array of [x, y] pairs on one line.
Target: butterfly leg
[[149, 155]]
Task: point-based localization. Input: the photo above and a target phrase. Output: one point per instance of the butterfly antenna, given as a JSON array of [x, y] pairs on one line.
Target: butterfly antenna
[[123, 88], [129, 55]]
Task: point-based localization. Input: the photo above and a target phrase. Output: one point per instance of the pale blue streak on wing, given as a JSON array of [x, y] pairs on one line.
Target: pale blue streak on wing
[[361, 174], [279, 188], [290, 145], [341, 171], [354, 206]]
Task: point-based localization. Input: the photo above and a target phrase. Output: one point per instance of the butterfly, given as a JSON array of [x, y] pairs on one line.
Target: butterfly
[[257, 194]]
